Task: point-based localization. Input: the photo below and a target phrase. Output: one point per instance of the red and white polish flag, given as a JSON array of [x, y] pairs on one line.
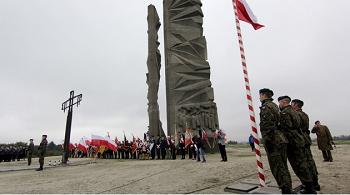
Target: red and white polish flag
[[87, 140], [97, 140], [71, 146], [246, 14], [111, 144], [82, 145]]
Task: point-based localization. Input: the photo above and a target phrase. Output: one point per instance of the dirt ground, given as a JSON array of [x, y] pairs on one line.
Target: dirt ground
[[114, 176]]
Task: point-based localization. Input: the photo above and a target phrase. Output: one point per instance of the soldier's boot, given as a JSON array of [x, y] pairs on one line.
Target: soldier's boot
[[286, 191], [315, 183], [309, 188]]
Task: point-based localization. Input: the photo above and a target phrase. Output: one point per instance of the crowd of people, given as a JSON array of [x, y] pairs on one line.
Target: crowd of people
[[159, 147], [9, 153]]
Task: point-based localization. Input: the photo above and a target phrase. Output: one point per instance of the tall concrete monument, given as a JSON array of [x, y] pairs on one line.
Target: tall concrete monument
[[190, 97], [153, 75]]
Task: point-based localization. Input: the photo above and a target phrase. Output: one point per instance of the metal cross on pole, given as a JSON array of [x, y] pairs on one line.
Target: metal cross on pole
[[69, 104]]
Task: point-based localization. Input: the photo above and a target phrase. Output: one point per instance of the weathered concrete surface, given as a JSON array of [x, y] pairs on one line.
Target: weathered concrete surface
[[153, 75], [190, 97]]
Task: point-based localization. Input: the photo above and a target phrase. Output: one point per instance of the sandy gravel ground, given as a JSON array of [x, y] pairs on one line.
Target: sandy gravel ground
[[113, 176]]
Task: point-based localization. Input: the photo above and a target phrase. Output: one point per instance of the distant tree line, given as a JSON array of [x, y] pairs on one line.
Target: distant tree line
[[51, 150]]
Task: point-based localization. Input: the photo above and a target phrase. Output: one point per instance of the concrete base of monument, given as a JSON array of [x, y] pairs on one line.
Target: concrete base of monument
[[252, 186]]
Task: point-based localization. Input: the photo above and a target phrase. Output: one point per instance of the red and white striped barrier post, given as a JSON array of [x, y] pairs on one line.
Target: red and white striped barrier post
[[250, 103]]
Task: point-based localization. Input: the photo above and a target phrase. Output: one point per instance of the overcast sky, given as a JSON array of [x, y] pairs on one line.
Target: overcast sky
[[99, 49]]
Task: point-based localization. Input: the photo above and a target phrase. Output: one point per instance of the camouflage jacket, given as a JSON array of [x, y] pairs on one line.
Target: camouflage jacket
[[30, 148], [304, 123], [269, 122], [290, 119], [42, 146]]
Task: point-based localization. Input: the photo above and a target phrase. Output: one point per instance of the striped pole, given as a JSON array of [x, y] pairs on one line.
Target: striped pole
[[250, 103]]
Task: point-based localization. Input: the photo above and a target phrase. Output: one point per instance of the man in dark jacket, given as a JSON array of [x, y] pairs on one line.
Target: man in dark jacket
[[42, 152], [157, 146], [199, 143], [163, 145]]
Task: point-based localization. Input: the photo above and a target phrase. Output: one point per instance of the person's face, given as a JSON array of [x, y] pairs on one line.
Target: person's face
[[43, 137], [318, 124], [198, 136], [282, 103], [294, 105], [262, 97]]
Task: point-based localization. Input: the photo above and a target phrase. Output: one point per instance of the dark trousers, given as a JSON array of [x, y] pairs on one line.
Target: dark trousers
[[194, 152], [158, 153], [29, 158], [182, 153], [252, 146], [162, 150], [189, 149], [41, 159], [327, 155], [153, 154], [223, 152]]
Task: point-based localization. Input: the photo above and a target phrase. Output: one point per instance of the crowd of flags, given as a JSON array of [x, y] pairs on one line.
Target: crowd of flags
[[106, 142]]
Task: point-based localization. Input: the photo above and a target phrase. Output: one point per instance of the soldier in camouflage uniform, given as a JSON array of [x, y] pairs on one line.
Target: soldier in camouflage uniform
[[297, 105], [274, 142], [290, 126], [30, 151], [42, 152]]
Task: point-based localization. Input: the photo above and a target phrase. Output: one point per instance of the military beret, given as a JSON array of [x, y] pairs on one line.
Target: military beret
[[265, 90], [298, 101], [284, 97]]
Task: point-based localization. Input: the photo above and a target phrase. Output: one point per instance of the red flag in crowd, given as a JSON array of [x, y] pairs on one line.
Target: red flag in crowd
[[134, 145], [71, 146], [87, 140], [97, 140], [204, 136], [110, 144], [82, 145], [188, 138], [116, 141], [246, 14], [125, 147], [216, 133]]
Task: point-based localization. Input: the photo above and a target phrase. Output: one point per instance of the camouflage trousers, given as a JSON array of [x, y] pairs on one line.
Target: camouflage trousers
[[310, 161], [41, 159], [277, 157], [296, 155], [30, 158]]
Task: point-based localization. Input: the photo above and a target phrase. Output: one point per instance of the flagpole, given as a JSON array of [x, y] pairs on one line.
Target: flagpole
[[250, 101]]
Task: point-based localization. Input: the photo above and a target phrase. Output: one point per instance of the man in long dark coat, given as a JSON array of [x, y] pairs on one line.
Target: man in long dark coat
[[324, 140]]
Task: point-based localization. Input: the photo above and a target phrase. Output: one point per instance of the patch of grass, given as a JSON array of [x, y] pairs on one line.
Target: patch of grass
[[345, 142]]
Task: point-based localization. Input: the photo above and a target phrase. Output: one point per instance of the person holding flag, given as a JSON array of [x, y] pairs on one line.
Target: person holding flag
[[222, 145]]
